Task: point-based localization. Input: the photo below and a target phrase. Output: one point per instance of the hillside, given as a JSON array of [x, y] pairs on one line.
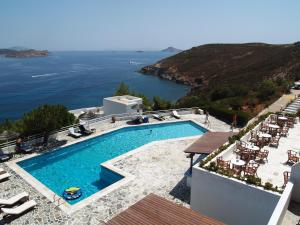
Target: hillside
[[232, 79], [24, 53], [211, 64]]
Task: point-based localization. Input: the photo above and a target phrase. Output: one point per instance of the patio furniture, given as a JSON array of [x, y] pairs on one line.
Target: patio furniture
[[175, 114], [73, 133], [240, 146], [247, 155], [158, 117], [4, 176], [284, 131], [273, 119], [253, 137], [237, 166], [250, 170], [292, 157], [286, 177], [19, 210], [4, 157], [262, 155], [26, 148], [274, 142], [22, 197], [263, 127], [85, 131], [225, 165]]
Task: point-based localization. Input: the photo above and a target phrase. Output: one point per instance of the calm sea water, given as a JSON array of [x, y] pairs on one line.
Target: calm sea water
[[77, 79]]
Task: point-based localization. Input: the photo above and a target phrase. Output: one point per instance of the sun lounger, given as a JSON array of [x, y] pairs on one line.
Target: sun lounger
[[5, 157], [19, 210], [73, 133], [175, 114], [2, 171], [22, 197], [4, 176], [158, 117], [26, 148], [85, 131]]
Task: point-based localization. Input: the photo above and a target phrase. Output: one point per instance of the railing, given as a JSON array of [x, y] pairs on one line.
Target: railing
[[123, 116]]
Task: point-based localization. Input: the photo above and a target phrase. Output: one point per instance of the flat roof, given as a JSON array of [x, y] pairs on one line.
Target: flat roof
[[155, 210], [209, 142], [124, 99]]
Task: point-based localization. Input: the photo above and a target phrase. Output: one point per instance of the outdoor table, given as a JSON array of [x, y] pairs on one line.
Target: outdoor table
[[265, 135], [238, 162], [252, 147], [282, 118], [273, 126]]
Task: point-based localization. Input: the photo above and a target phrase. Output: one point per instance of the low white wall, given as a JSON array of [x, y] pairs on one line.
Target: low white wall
[[282, 205], [230, 201], [295, 178]]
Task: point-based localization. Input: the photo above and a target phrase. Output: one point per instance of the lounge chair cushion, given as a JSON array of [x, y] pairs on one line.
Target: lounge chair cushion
[[13, 200], [19, 209], [4, 176]]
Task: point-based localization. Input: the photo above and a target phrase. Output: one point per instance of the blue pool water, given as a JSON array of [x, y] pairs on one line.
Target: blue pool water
[[79, 164]]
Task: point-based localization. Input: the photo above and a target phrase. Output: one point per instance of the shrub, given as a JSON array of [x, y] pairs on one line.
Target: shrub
[[253, 180], [266, 90], [268, 186]]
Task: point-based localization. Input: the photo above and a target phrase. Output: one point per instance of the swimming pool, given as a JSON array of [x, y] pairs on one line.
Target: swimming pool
[[79, 164]]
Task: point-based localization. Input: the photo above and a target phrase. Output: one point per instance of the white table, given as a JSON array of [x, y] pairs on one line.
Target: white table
[[238, 162], [274, 126], [282, 118], [252, 147], [265, 135]]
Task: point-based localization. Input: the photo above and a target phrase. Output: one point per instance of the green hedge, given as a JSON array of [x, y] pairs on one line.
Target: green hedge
[[227, 115]]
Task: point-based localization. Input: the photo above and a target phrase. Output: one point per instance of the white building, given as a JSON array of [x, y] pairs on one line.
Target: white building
[[122, 104]]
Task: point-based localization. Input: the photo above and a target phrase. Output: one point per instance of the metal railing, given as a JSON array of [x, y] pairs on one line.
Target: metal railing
[[118, 117]]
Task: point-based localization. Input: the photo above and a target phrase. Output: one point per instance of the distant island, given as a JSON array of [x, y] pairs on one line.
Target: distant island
[[171, 49], [23, 53]]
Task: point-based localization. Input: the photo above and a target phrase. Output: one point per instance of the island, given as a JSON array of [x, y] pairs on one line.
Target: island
[[171, 49], [24, 53]]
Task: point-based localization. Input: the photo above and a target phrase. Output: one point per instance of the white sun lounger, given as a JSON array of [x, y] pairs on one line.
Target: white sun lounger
[[19, 209], [2, 171], [73, 133], [4, 176], [13, 200], [158, 117], [175, 114]]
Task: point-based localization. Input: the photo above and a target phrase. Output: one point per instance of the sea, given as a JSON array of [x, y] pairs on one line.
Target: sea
[[78, 79]]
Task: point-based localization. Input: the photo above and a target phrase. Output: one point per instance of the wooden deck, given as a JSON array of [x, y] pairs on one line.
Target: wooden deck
[[209, 142], [154, 210]]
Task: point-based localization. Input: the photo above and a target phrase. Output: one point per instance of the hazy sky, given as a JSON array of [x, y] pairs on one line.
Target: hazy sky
[[145, 24]]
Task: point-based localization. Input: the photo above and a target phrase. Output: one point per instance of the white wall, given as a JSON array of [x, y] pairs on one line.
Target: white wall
[[282, 206], [230, 201], [112, 107]]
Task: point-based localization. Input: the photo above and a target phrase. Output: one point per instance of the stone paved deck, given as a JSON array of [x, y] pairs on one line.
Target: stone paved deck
[[159, 168]]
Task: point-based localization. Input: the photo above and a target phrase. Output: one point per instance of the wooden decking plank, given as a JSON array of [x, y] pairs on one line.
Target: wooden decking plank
[[154, 210]]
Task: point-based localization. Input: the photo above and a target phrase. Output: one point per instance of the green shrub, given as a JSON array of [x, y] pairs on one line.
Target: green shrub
[[253, 180], [266, 90], [268, 186]]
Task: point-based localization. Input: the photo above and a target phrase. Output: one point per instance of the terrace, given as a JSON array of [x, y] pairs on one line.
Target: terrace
[[152, 166]]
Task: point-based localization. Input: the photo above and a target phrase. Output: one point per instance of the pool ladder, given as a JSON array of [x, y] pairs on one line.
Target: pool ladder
[[57, 199]]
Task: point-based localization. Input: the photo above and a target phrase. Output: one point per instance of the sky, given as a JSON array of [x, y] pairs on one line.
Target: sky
[[145, 24]]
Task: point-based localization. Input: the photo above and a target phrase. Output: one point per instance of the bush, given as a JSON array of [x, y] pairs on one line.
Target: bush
[[45, 119], [266, 90], [268, 186], [161, 104], [253, 180]]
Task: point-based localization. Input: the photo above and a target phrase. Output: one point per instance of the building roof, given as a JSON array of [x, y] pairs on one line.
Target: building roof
[[124, 99], [209, 142], [154, 210]]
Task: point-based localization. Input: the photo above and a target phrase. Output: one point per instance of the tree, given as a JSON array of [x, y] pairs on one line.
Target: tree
[[123, 89], [45, 119], [266, 90], [161, 104]]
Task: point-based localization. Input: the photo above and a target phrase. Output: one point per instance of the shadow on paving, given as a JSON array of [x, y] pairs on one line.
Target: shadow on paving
[[294, 208], [181, 191]]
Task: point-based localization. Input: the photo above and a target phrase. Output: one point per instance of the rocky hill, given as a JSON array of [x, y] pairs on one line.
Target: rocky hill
[[215, 64], [12, 53]]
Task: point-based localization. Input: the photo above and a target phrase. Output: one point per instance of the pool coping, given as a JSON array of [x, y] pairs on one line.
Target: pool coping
[[127, 177]]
